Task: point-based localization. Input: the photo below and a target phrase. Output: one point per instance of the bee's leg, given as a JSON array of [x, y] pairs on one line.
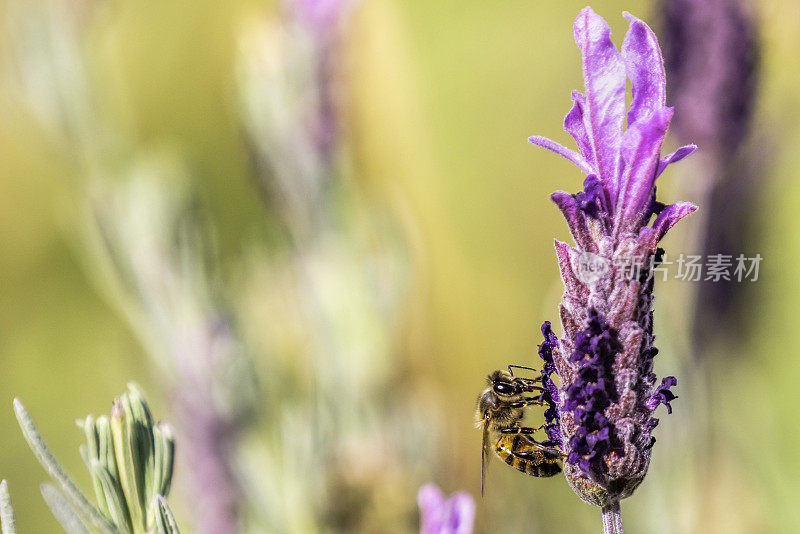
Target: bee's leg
[[551, 454], [549, 449], [521, 429], [526, 401], [529, 384]]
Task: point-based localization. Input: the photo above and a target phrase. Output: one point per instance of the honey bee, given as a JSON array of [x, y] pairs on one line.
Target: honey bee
[[500, 410]]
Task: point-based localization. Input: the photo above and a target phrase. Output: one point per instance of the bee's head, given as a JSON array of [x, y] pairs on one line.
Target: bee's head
[[503, 384], [494, 404]]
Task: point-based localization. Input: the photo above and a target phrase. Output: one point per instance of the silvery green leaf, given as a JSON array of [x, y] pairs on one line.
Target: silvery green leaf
[[140, 425], [164, 457], [96, 484], [63, 511], [106, 446], [121, 432], [7, 520], [51, 465], [90, 430], [84, 452], [165, 521], [90, 454], [112, 497], [141, 412]]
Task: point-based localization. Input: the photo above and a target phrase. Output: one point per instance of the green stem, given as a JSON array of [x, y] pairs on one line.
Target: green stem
[[612, 518]]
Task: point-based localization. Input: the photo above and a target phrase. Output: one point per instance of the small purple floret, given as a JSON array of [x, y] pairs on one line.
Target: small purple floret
[[591, 393], [589, 199], [663, 395], [550, 394]]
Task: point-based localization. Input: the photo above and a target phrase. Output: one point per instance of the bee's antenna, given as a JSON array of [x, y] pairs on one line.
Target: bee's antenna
[[520, 367]]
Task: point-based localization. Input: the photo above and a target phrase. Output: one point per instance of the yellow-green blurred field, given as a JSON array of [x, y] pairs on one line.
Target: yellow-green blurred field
[[441, 97]]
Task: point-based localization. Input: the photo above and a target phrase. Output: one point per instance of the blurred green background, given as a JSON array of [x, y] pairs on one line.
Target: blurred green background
[[441, 98]]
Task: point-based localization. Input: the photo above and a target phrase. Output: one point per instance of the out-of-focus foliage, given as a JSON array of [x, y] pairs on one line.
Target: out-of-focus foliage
[[441, 98]]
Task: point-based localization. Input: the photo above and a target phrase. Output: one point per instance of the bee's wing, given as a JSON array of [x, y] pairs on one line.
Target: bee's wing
[[484, 454]]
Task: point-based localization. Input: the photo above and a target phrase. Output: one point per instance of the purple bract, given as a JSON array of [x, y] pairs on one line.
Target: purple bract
[[601, 414]]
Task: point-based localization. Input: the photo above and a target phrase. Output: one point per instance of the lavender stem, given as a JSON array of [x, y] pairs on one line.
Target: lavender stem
[[612, 518]]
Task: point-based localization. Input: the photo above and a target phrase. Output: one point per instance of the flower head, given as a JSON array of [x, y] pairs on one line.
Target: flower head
[[601, 414], [454, 515]]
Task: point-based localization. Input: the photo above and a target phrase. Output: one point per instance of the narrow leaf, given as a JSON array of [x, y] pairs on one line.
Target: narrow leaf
[[63, 511], [165, 457], [51, 465], [112, 495], [7, 520], [121, 432], [106, 446], [140, 425], [165, 521], [90, 454]]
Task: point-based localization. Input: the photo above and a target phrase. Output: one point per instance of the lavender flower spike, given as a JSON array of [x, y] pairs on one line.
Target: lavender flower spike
[[454, 515], [601, 414]]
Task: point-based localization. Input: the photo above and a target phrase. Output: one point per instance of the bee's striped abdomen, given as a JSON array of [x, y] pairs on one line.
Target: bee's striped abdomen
[[522, 454]]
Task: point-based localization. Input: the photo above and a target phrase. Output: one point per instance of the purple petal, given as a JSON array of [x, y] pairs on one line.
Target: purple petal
[[663, 395], [641, 146], [644, 65], [573, 458], [667, 219], [591, 199], [455, 515], [431, 509], [595, 437], [461, 513], [575, 125], [675, 157], [561, 150], [604, 79]]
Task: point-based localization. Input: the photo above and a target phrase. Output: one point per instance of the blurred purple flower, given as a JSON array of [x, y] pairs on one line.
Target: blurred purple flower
[[711, 53], [320, 16], [712, 57], [454, 515], [321, 21], [603, 408]]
